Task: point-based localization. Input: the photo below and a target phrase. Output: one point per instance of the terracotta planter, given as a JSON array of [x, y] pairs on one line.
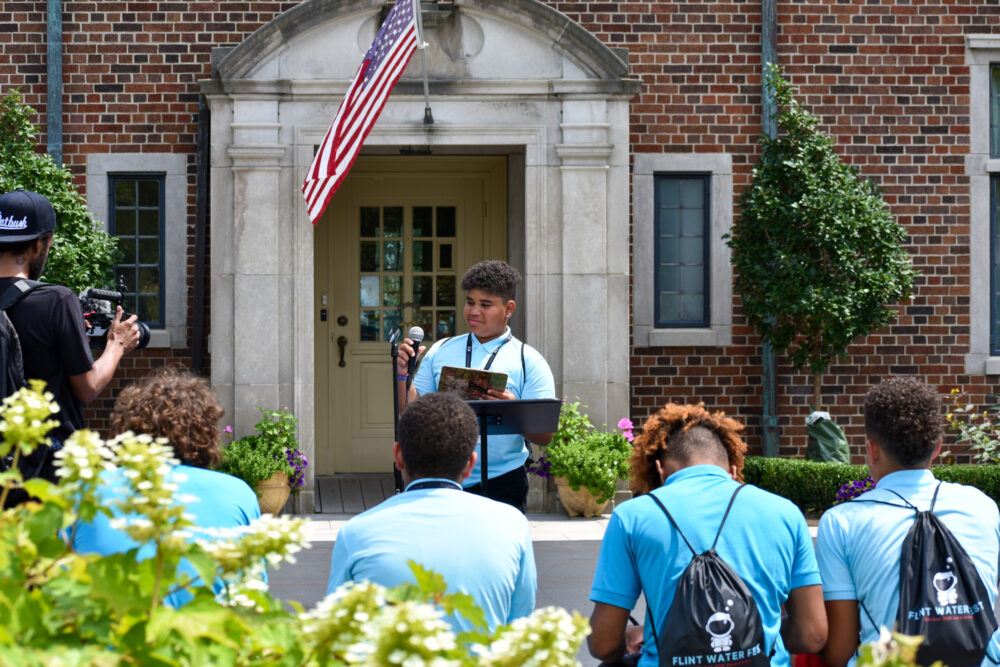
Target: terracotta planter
[[579, 503], [272, 493]]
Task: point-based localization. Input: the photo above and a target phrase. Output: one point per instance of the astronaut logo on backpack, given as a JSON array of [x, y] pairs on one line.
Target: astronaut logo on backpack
[[720, 625], [944, 584]]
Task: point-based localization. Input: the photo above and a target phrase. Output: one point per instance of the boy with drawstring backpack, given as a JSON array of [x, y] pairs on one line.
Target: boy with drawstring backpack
[[715, 560], [914, 554]]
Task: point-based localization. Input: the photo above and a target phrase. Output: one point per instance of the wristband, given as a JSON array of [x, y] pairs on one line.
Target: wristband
[[401, 378]]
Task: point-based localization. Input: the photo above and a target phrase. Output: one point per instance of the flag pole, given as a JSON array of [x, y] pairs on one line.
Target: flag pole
[[422, 45]]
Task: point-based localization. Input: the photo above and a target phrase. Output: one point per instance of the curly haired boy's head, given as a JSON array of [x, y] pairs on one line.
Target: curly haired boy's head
[[175, 404], [493, 276], [684, 433], [903, 417]]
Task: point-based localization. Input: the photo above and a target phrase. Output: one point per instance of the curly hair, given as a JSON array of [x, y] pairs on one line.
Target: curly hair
[[437, 435], [903, 416], [493, 276], [175, 404], [653, 444]]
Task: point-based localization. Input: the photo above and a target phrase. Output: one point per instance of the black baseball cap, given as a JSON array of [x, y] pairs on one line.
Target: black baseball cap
[[24, 216]]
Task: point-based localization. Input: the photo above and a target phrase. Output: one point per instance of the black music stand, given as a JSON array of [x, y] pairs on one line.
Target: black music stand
[[529, 415]]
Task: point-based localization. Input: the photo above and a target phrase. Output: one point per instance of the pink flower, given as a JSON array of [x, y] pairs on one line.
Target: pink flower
[[625, 424], [228, 429]]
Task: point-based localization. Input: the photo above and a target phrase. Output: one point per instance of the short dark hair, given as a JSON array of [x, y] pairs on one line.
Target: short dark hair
[[19, 248], [437, 435], [494, 276], [903, 416]]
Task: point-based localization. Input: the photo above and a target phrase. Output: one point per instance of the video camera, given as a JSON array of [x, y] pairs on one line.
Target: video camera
[[99, 307]]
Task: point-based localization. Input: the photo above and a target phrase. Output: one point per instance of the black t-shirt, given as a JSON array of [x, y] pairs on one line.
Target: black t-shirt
[[49, 323]]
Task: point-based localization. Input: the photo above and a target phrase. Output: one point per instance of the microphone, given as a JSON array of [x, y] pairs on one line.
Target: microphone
[[416, 335]]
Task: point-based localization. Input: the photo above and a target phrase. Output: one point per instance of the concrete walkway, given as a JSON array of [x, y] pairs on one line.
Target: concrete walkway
[[565, 556]]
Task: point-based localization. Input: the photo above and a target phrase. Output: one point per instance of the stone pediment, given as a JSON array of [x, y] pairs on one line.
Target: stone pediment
[[318, 45]]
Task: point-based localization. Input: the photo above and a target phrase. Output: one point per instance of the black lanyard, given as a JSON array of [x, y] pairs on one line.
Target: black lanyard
[[433, 484], [489, 362]]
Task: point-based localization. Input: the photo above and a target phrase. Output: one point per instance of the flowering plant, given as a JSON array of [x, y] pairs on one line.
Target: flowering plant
[[854, 489], [979, 430], [585, 456], [891, 649], [58, 607], [274, 448]]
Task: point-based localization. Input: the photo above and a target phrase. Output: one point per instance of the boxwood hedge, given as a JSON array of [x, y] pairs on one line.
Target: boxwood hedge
[[813, 486]]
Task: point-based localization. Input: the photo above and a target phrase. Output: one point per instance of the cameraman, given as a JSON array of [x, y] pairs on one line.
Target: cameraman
[[49, 320]]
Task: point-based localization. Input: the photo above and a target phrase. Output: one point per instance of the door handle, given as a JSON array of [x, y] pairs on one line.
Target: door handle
[[342, 344]]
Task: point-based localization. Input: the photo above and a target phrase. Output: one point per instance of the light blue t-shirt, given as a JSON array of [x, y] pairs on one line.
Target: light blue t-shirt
[[506, 452], [224, 502], [480, 546], [859, 544], [765, 540]]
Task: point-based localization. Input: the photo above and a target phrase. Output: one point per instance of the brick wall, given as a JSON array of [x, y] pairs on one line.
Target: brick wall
[[887, 80]]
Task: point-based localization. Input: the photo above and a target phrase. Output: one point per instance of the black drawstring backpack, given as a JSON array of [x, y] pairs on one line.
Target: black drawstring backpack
[[941, 595], [713, 619]]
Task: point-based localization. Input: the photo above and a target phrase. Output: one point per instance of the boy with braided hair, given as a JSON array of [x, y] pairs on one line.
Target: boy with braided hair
[[690, 460]]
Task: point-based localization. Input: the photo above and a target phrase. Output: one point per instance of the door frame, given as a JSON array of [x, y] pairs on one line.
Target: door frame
[[493, 168]]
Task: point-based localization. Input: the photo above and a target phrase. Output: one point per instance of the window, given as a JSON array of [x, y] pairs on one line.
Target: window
[[165, 304], [137, 216], [682, 205], [682, 263]]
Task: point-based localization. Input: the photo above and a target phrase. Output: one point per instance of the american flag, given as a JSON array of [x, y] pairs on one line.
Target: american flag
[[383, 64]]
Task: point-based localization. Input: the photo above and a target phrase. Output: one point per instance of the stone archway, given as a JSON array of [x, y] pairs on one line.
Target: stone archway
[[561, 102]]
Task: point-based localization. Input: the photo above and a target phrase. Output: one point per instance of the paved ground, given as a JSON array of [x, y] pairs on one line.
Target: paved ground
[[565, 555]]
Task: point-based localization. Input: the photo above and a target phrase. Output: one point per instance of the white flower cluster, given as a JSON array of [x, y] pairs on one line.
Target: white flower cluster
[[240, 553], [81, 461], [337, 626], [549, 637], [25, 418]]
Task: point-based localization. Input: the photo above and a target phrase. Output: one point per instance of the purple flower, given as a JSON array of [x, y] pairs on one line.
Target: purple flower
[[541, 467], [854, 489]]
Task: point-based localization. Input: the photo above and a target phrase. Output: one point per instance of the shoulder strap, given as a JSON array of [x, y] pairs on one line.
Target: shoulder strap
[[719, 532], [16, 291], [524, 372], [934, 499]]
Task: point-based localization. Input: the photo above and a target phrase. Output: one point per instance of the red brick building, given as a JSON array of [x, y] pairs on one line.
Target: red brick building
[[908, 89]]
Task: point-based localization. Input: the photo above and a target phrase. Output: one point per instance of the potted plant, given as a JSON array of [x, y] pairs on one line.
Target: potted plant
[[585, 462], [268, 461]]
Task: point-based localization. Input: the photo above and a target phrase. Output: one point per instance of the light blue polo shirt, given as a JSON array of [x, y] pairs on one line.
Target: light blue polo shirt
[[858, 544], [480, 546], [506, 452], [765, 540], [223, 501]]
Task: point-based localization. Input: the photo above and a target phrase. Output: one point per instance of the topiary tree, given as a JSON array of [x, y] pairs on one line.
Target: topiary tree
[[83, 255], [818, 256]]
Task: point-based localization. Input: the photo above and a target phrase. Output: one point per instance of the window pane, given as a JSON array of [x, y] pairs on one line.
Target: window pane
[[149, 222], [124, 222], [446, 290], [445, 325], [995, 264], [128, 248], [393, 221], [149, 250], [680, 232], [369, 221], [423, 255], [369, 325], [423, 221], [390, 320], [393, 255], [369, 256], [125, 192], [149, 309], [149, 193], [444, 250], [149, 280], [423, 291], [369, 292], [393, 291], [425, 319], [446, 221]]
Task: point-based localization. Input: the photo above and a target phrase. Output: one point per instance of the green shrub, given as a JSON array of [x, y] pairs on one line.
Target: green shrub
[[813, 486]]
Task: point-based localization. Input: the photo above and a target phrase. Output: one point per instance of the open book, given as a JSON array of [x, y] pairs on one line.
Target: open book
[[470, 383]]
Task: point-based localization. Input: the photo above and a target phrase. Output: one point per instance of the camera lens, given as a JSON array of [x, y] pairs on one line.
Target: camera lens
[[143, 334]]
